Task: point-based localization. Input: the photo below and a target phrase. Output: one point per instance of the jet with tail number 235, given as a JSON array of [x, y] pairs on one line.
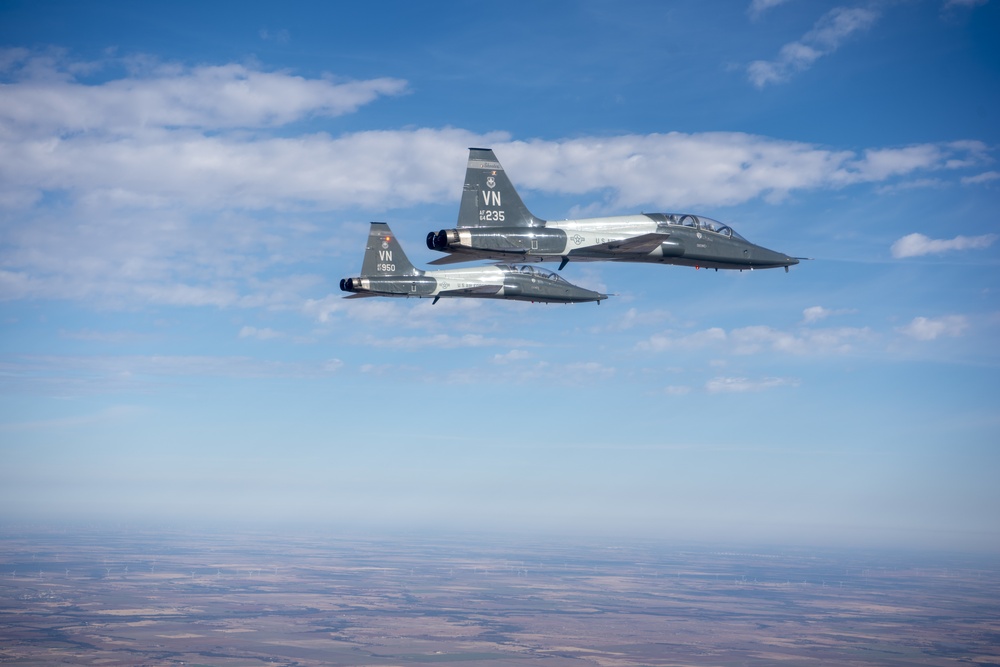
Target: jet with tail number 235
[[387, 272], [494, 223]]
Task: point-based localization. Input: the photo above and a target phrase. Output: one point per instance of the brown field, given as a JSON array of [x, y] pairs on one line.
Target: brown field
[[254, 599]]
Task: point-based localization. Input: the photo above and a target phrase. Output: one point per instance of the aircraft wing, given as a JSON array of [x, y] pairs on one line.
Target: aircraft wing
[[484, 290], [642, 244]]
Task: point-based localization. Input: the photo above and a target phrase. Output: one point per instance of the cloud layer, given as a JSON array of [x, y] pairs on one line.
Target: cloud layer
[[917, 245], [826, 36], [207, 138], [139, 181], [48, 96]]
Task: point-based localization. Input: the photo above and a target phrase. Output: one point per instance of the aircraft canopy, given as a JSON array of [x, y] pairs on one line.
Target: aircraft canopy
[[532, 271], [699, 222]]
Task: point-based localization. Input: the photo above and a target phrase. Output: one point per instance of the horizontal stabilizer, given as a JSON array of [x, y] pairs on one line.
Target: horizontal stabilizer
[[453, 258], [456, 257], [360, 295]]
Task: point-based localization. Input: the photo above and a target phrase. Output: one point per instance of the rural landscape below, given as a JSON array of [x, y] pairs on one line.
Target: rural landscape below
[[143, 597]]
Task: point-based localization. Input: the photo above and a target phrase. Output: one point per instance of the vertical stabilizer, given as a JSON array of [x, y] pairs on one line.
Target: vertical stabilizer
[[384, 256], [489, 198]]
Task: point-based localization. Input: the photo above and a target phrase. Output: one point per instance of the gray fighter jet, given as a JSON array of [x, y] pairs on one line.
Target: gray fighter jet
[[387, 272], [494, 223]]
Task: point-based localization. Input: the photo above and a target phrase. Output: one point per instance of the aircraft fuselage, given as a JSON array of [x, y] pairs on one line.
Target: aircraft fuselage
[[386, 271], [662, 239], [494, 223]]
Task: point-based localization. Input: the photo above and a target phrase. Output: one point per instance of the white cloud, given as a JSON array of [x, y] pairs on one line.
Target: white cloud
[[455, 316], [281, 36], [670, 340], [915, 184], [985, 177], [815, 314], [513, 355], [323, 309], [47, 100], [444, 341], [826, 36], [161, 257], [742, 385], [589, 369], [572, 374], [753, 339], [883, 163], [759, 338], [758, 7], [160, 168], [678, 170], [157, 191], [964, 3], [928, 328], [259, 334], [189, 149], [116, 337], [378, 369], [86, 375], [916, 245], [634, 317]]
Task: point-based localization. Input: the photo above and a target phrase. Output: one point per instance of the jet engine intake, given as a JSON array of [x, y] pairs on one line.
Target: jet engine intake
[[671, 249], [511, 289]]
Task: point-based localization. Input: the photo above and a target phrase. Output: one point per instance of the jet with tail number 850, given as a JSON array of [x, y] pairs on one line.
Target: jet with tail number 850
[[494, 223], [386, 271]]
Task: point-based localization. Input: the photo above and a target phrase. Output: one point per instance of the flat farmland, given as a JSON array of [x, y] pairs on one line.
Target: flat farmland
[[143, 597]]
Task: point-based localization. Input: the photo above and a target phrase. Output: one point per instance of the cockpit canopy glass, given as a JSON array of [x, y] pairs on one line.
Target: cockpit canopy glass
[[700, 222], [533, 271]]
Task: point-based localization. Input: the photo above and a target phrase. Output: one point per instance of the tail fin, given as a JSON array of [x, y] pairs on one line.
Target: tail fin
[[384, 256], [489, 198]]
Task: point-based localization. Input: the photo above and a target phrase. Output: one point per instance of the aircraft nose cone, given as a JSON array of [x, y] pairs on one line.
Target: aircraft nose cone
[[765, 258], [591, 295]]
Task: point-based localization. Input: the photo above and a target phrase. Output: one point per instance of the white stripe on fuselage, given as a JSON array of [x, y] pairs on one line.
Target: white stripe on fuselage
[[581, 234], [466, 278]]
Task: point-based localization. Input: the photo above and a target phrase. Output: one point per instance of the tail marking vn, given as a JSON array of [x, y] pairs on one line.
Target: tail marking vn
[[486, 189]]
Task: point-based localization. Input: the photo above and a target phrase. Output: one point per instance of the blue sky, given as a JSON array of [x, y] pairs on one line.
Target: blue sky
[[182, 186]]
